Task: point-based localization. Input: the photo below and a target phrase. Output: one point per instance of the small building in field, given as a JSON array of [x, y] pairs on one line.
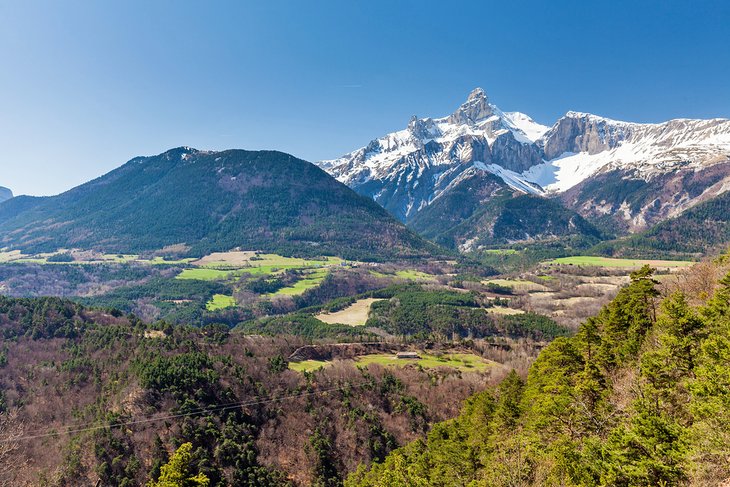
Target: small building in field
[[407, 355]]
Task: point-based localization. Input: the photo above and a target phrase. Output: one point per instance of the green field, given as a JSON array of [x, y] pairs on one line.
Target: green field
[[269, 261], [414, 275], [261, 265], [205, 274], [410, 274], [220, 301], [585, 260], [308, 365], [461, 361], [313, 279]]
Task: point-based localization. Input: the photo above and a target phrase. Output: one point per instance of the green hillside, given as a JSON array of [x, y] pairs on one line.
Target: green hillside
[[482, 211], [639, 397], [210, 201], [700, 229]]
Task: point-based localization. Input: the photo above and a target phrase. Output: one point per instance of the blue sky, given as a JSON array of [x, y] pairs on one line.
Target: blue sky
[[87, 85]]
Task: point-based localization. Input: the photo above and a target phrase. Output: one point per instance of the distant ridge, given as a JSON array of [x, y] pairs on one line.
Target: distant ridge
[[5, 194], [210, 201]]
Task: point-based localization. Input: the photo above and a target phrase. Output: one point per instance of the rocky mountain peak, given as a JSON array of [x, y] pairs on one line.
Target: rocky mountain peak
[[475, 108], [476, 94]]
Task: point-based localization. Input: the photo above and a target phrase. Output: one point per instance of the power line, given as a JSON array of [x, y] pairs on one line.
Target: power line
[[220, 407]]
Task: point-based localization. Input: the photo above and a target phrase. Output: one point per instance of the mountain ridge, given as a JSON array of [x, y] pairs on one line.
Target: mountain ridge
[[409, 170], [205, 201]]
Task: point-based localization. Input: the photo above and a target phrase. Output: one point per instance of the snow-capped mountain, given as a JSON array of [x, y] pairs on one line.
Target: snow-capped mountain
[[600, 167], [406, 170], [636, 174], [5, 194], [580, 144]]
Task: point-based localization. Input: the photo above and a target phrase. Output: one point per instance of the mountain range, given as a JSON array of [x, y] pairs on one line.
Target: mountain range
[[198, 202], [622, 177], [477, 178]]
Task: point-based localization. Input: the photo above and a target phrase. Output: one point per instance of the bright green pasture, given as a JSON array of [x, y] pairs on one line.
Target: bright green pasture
[[313, 279], [220, 301], [203, 274], [414, 275], [309, 365]]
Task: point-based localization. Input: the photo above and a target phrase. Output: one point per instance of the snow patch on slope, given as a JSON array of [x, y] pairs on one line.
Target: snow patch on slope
[[521, 124], [511, 178]]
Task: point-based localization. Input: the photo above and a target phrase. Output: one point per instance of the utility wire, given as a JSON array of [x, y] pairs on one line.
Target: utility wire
[[220, 407]]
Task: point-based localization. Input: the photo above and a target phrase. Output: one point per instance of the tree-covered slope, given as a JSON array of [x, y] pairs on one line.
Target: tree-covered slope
[[481, 211], [91, 398], [210, 201], [700, 229], [639, 397]]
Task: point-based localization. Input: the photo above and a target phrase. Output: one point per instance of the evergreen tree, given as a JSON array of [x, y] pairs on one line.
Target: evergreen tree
[[176, 473]]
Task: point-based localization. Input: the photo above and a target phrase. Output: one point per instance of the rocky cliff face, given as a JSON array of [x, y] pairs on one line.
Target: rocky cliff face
[[633, 175], [582, 132], [5, 194]]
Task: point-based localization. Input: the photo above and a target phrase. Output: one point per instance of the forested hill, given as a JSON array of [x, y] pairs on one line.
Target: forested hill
[[639, 397], [92, 398], [701, 229], [210, 201]]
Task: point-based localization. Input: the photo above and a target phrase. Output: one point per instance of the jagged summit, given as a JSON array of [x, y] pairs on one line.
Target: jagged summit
[[475, 109], [477, 93], [431, 153]]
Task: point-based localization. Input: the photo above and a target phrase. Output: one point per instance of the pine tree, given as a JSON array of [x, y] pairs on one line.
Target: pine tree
[[176, 473]]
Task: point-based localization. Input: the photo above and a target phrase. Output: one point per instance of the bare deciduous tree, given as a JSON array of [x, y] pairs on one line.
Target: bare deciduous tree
[[11, 430]]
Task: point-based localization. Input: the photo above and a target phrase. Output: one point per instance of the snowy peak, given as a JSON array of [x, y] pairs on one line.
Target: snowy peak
[[406, 170], [475, 109], [581, 145], [477, 94], [522, 125]]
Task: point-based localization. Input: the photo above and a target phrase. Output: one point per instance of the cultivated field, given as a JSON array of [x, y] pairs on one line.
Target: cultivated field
[[584, 260], [312, 279], [309, 365], [460, 361], [519, 285], [354, 315], [463, 361]]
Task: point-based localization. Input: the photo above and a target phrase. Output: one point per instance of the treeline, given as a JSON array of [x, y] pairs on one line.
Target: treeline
[[639, 397]]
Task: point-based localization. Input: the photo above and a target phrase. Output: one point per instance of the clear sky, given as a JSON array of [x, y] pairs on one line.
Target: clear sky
[[87, 85]]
